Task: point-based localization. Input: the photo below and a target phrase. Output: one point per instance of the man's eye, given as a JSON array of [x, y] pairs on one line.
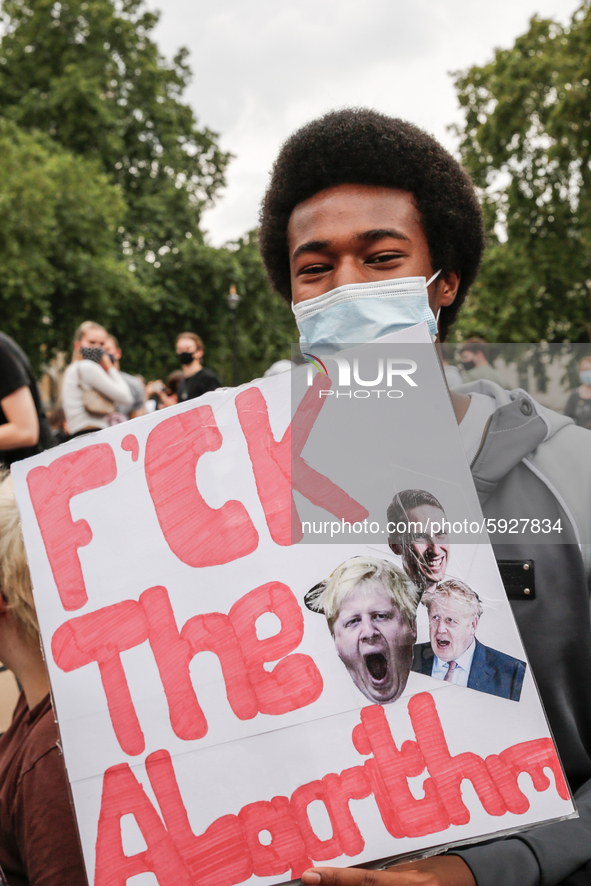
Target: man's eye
[[383, 616], [382, 258], [352, 622], [313, 269]]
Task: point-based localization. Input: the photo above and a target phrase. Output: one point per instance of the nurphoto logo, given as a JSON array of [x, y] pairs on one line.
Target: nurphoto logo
[[387, 372]]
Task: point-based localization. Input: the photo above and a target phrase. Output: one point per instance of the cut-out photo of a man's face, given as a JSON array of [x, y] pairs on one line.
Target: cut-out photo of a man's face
[[416, 523], [370, 606]]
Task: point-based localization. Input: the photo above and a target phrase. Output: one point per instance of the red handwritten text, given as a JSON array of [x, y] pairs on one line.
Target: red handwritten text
[[230, 850], [51, 490], [279, 467], [102, 636]]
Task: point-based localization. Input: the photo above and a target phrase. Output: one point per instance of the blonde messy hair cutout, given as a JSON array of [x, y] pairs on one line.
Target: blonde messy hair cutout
[[454, 589], [328, 596], [15, 579]]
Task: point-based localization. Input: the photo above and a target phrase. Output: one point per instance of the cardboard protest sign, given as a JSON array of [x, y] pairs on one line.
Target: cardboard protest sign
[[223, 715]]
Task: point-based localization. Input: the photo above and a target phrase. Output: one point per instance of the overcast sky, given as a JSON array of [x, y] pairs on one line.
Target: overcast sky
[[262, 68]]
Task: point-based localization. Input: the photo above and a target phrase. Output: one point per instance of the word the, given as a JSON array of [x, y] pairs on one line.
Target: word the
[[100, 637]]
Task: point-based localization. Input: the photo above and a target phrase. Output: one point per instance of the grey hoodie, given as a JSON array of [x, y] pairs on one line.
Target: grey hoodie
[[533, 462]]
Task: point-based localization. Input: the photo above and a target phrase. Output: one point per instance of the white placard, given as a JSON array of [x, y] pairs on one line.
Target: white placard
[[211, 733]]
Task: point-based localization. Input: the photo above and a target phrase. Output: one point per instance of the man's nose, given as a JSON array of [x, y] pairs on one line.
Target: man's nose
[[368, 629], [347, 271]]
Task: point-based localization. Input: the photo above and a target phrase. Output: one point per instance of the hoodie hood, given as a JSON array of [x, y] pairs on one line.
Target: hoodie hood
[[547, 443], [515, 430]]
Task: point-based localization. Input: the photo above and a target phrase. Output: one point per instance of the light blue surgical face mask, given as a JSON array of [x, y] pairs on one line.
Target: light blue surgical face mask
[[363, 312], [585, 376]]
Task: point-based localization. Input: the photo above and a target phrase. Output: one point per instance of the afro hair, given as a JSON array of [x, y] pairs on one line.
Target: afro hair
[[362, 147]]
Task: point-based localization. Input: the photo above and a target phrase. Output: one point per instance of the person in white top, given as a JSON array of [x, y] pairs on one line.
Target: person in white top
[[91, 370]]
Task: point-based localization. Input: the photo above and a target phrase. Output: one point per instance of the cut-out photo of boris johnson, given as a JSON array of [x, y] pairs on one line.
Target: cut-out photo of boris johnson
[[370, 606]]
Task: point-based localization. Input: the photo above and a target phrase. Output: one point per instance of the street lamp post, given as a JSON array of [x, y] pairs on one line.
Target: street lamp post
[[233, 302]]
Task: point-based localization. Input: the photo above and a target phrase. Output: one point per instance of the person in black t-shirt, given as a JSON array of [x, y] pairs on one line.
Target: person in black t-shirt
[[24, 429], [197, 380]]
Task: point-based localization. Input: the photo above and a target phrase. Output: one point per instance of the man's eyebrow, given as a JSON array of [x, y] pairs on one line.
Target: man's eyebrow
[[381, 233], [371, 235], [310, 246]]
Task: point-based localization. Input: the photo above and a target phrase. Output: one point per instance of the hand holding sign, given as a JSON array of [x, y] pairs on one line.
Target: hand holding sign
[[440, 870], [211, 727]]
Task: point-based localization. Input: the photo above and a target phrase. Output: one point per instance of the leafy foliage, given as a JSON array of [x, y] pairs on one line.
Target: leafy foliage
[[57, 249], [105, 174], [195, 282], [526, 142], [87, 73]]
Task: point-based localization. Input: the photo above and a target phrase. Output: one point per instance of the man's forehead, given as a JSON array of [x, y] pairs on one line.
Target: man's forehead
[[424, 508], [425, 515], [452, 605], [367, 589], [353, 210]]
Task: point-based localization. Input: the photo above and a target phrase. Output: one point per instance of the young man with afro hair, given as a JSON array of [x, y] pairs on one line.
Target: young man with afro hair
[[357, 198]]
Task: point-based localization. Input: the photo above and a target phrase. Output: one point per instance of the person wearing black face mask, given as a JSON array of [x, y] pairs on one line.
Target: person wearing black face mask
[[92, 388], [474, 357], [197, 380]]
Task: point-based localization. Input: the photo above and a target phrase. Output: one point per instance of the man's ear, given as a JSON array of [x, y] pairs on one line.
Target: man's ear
[[395, 548], [447, 289]]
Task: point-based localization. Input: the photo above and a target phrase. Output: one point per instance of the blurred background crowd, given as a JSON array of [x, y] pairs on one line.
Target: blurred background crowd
[[114, 300], [94, 391]]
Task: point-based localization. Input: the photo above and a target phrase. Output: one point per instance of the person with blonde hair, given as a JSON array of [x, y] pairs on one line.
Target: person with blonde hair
[[38, 838], [370, 606], [454, 655], [92, 385]]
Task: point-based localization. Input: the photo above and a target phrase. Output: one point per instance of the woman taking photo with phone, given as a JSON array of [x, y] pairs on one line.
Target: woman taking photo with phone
[[92, 386]]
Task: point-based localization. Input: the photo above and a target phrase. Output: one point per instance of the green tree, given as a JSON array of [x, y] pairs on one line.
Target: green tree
[[261, 311], [87, 76], [87, 73], [526, 142], [59, 216], [196, 279]]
